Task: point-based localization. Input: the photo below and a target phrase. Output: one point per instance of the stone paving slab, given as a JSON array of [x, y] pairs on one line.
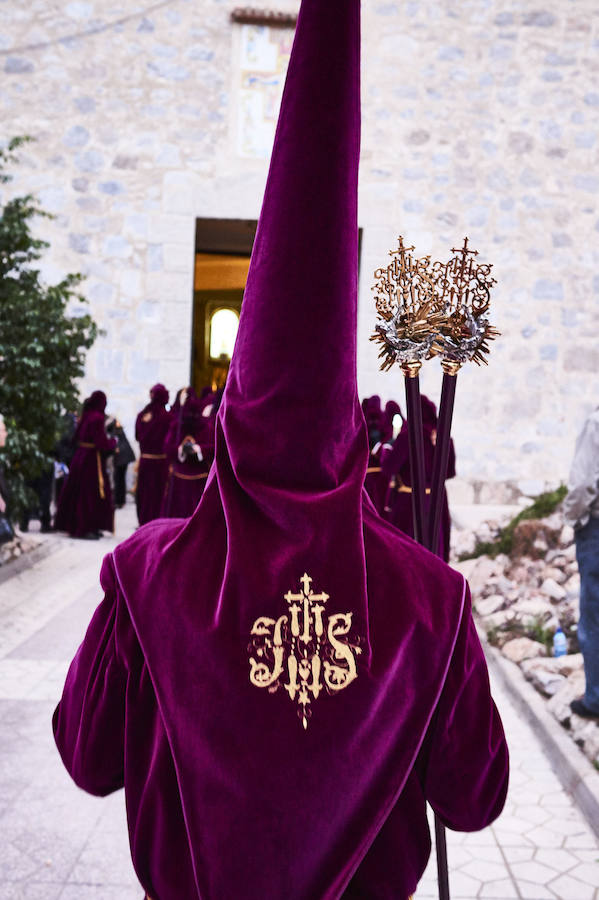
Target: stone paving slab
[[58, 843]]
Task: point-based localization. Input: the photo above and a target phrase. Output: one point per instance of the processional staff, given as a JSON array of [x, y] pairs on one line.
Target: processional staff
[[432, 309]]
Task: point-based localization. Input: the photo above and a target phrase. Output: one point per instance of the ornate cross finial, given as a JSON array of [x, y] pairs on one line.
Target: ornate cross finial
[[433, 309]]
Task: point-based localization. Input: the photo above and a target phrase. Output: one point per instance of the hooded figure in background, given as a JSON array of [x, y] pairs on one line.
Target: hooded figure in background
[[151, 428], [380, 435], [189, 447], [282, 680], [376, 481], [85, 507], [392, 409], [396, 468]]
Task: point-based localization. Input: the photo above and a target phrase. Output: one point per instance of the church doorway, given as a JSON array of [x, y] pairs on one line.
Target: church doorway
[[222, 259]]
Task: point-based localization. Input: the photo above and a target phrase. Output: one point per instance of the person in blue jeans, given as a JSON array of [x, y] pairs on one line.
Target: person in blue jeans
[[581, 508]]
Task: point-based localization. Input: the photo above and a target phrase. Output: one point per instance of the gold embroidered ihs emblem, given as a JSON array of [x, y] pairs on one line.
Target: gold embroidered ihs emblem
[[304, 651]]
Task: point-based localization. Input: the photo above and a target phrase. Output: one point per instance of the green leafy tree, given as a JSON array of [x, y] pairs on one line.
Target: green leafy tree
[[45, 332]]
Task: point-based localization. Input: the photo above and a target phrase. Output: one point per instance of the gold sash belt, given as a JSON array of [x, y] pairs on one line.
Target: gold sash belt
[[99, 464], [402, 488], [190, 477], [153, 456], [372, 469]]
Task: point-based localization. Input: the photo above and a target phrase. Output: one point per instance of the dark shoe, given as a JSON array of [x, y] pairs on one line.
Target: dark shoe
[[90, 536], [581, 709]]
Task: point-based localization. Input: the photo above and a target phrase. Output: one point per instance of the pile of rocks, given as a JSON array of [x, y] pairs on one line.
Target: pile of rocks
[[20, 544], [521, 599]]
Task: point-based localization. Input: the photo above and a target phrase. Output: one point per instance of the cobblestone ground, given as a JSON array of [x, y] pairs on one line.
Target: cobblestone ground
[[57, 843]]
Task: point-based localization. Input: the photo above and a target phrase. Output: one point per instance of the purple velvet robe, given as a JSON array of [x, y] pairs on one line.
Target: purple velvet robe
[[377, 478], [151, 428], [85, 504], [281, 680], [187, 479], [228, 798]]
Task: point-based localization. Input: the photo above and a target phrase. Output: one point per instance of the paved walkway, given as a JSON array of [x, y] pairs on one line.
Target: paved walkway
[[57, 843]]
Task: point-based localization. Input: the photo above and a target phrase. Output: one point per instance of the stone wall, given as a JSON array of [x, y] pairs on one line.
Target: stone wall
[[480, 118]]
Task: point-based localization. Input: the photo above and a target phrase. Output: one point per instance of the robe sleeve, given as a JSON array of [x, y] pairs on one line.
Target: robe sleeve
[[89, 721], [392, 461], [465, 751]]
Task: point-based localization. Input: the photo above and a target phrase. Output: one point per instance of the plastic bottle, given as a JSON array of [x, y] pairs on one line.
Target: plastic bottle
[[560, 644]]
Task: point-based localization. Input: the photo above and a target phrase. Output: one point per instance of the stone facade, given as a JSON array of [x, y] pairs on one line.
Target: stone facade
[[480, 118]]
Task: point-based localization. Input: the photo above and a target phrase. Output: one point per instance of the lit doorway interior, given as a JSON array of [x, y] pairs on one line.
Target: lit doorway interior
[[222, 260], [223, 249]]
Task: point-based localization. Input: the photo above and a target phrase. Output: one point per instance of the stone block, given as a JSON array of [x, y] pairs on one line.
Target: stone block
[[76, 136], [547, 289], [131, 283], [52, 198], [143, 370], [124, 161], [175, 287], [178, 193], [135, 225], [16, 65], [488, 605], [519, 649], [178, 258], [171, 345], [519, 142], [585, 182], [89, 161], [582, 359], [85, 104], [540, 18], [79, 243], [111, 187], [460, 492], [150, 311], [115, 245], [100, 293], [154, 258], [109, 364], [172, 229], [553, 590]]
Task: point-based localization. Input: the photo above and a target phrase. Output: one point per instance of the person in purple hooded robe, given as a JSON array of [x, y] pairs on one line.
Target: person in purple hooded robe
[[85, 507], [282, 680], [189, 446], [380, 434], [396, 467], [376, 481], [151, 427], [392, 409]]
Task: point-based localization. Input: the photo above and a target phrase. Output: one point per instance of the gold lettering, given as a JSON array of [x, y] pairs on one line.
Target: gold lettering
[[338, 677], [260, 673]]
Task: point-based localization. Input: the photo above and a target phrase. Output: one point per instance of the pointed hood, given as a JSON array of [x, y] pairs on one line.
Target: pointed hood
[[291, 441], [290, 412]]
